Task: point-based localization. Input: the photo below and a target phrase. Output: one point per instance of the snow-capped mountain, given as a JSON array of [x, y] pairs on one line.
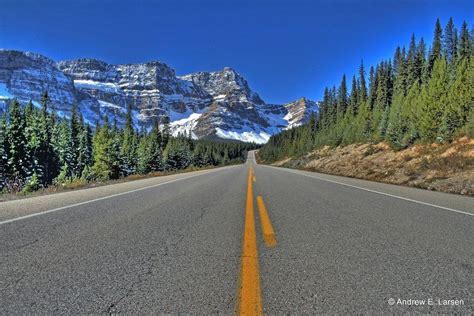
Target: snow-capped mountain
[[213, 105]]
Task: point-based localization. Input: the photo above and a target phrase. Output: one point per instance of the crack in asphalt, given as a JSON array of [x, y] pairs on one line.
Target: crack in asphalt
[[150, 261]]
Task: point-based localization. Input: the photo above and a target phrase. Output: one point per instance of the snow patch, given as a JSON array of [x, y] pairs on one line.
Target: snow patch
[[4, 92], [219, 97], [185, 126], [95, 85], [111, 105], [245, 136]]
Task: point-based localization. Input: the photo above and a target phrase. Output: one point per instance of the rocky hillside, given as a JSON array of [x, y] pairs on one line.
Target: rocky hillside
[[208, 105]]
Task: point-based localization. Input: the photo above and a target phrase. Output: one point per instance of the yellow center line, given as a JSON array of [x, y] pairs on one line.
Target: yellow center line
[[250, 297], [267, 229]]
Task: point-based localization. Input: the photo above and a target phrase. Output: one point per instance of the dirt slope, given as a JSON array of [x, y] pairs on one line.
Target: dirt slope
[[447, 167]]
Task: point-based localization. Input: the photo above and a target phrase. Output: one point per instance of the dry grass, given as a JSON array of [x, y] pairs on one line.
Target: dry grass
[[441, 167]]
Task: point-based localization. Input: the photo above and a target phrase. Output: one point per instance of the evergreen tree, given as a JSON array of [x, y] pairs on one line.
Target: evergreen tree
[[354, 96], [17, 144], [465, 42], [417, 97], [47, 157], [128, 148], [460, 100], [166, 131], [434, 99], [436, 48], [84, 150], [449, 43], [381, 107], [411, 113], [372, 88], [32, 135], [342, 97], [413, 64], [61, 141], [101, 144], [420, 62], [75, 130], [156, 161], [178, 154], [115, 156], [3, 152], [362, 83]]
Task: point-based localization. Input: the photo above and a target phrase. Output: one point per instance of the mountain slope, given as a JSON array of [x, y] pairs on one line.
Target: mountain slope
[[210, 105]]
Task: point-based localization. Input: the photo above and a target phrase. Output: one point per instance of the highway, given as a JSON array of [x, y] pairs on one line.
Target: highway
[[246, 239]]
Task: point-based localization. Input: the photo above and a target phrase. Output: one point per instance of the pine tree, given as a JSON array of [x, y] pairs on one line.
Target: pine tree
[[460, 100], [381, 107], [398, 59], [436, 48], [354, 96], [84, 150], [362, 131], [3, 152], [411, 113], [420, 61], [75, 130], [465, 42], [156, 162], [342, 97], [101, 144], [412, 66], [434, 99], [128, 149], [166, 131], [362, 83], [17, 144], [32, 135], [144, 157], [61, 141], [178, 154], [372, 87], [417, 97], [47, 157], [449, 43], [115, 156], [395, 125]]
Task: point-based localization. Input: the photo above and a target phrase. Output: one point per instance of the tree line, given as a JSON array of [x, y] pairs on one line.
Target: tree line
[[418, 96], [38, 149]]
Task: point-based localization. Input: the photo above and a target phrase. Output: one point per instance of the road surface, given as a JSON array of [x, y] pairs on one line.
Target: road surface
[[247, 238]]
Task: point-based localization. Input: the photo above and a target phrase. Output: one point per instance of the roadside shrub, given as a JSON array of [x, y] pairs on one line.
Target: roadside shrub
[[33, 184]]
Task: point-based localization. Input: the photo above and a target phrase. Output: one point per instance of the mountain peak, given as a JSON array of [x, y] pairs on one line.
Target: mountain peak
[[229, 69], [12, 56], [217, 104]]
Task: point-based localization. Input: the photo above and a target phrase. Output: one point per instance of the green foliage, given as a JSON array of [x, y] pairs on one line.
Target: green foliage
[[415, 98], [63, 177], [434, 100], [460, 100], [37, 149], [33, 184], [17, 143], [469, 128], [102, 147]]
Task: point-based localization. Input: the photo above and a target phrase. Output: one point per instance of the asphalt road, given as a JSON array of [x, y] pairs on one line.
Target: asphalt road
[[200, 243]]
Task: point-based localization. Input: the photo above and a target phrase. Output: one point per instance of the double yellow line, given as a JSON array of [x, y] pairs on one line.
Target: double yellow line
[[250, 296]]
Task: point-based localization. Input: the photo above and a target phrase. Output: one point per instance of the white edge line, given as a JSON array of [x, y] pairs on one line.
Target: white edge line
[[103, 198], [369, 190]]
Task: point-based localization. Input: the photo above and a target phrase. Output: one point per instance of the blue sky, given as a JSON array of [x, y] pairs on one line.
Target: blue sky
[[286, 49]]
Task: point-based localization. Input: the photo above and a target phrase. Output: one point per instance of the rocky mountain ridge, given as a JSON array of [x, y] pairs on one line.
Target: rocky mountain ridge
[[213, 105]]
